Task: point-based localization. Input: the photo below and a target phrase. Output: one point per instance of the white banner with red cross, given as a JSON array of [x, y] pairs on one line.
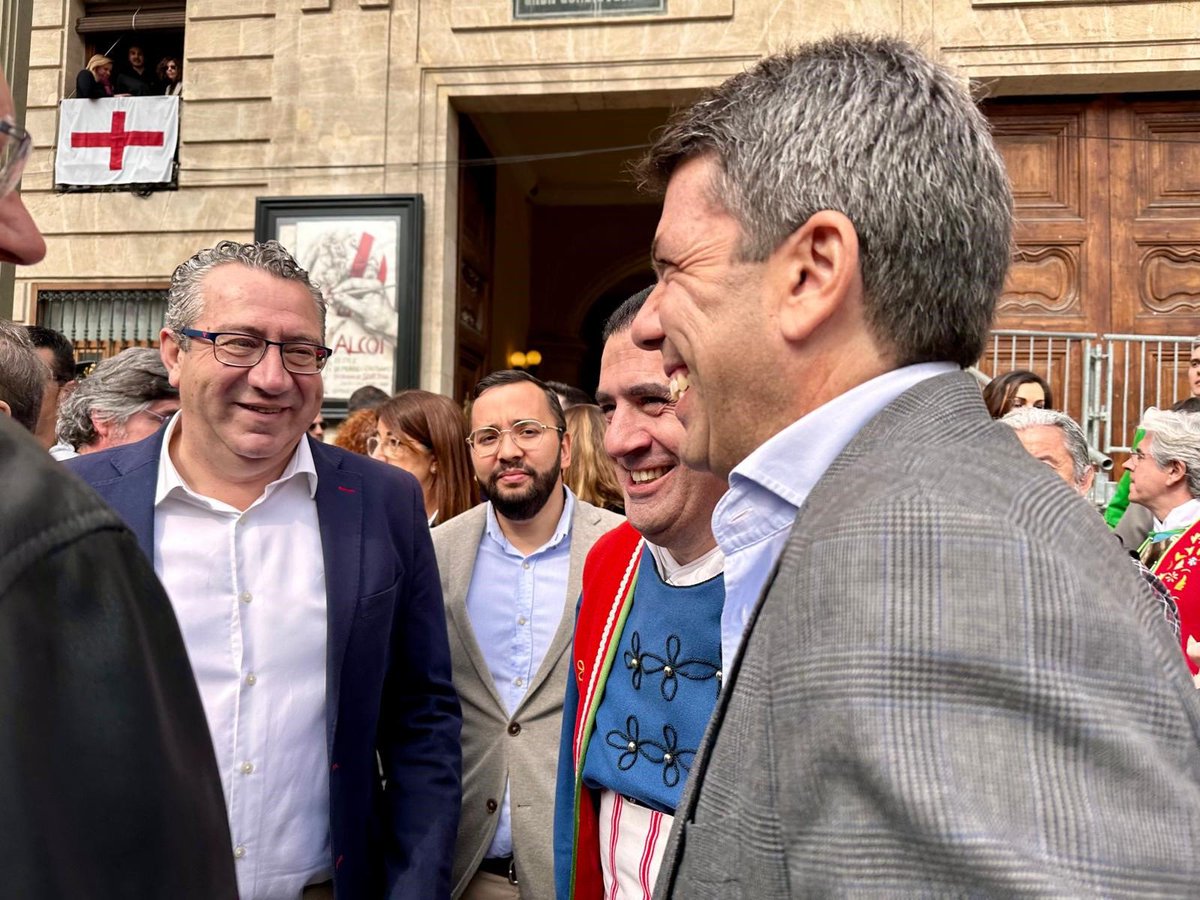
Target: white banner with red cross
[[117, 140]]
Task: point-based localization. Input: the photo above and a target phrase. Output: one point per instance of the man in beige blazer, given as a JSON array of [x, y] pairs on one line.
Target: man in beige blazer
[[511, 573]]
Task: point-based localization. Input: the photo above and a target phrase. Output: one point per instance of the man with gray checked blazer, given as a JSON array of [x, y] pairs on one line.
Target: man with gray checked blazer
[[945, 682]]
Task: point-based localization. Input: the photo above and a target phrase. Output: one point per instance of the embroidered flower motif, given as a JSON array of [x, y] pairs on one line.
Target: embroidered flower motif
[[627, 742], [675, 761], [633, 660], [671, 666]]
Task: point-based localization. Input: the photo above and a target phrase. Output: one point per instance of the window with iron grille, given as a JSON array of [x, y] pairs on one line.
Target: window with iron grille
[[102, 322]]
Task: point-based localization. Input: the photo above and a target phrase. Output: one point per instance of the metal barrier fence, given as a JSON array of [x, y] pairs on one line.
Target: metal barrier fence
[[1142, 371], [1105, 382], [1062, 358]]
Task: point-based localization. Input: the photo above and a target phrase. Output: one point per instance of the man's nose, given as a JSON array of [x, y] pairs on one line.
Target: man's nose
[[20, 240], [647, 329], [623, 437], [269, 373]]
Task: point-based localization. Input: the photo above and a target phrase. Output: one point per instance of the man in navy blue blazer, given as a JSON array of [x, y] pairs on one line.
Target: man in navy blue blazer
[[306, 588]]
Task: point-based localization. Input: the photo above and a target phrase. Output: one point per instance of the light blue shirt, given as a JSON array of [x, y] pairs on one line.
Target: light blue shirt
[[516, 603], [753, 520]]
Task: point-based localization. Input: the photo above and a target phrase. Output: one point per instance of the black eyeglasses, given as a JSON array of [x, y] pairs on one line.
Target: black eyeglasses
[[15, 144], [245, 351]]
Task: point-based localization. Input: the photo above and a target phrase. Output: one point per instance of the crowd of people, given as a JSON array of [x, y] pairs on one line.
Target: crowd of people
[[134, 78], [790, 607]]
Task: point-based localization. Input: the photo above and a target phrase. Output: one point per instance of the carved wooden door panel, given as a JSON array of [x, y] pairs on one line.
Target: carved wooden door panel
[[1057, 161], [1155, 151], [1107, 239]]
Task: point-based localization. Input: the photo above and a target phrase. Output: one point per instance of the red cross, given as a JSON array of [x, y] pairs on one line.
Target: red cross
[[117, 140]]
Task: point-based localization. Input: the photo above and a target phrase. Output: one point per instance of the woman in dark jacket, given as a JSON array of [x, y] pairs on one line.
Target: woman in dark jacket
[[95, 80]]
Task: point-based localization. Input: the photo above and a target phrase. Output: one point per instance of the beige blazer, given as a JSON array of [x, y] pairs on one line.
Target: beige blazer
[[522, 749]]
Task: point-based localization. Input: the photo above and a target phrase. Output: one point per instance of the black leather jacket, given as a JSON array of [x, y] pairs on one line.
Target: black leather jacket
[[108, 783]]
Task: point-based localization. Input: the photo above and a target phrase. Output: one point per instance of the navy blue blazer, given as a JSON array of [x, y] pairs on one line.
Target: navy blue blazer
[[388, 677]]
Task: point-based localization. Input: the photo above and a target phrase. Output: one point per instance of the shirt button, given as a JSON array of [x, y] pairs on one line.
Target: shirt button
[[518, 681], [251, 679], [491, 806], [521, 620], [514, 728], [239, 851], [245, 596], [525, 565], [247, 767]]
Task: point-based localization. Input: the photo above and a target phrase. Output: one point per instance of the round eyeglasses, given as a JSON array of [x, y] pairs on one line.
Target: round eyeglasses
[[245, 351], [392, 447], [15, 144], [526, 434]]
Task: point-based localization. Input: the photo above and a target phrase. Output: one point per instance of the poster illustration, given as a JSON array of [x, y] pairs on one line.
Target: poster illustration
[[348, 260], [363, 254]]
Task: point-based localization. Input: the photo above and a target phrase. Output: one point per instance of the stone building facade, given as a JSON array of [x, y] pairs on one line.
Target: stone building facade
[[515, 131]]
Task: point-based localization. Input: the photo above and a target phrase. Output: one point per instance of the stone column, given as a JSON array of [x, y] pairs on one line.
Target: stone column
[[16, 17]]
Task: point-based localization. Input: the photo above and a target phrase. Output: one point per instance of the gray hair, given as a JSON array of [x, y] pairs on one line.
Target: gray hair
[[1073, 436], [873, 129], [116, 389], [1176, 439], [23, 375], [185, 302]]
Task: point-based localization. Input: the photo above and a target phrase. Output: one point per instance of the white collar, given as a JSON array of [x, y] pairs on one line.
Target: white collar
[[170, 481]]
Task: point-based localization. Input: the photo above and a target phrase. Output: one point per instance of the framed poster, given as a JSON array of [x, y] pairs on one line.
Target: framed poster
[[364, 253]]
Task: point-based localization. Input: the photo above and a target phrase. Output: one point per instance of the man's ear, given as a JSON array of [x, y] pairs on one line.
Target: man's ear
[[817, 268], [5, 408], [1085, 483], [564, 453], [102, 426], [169, 349], [1176, 472]]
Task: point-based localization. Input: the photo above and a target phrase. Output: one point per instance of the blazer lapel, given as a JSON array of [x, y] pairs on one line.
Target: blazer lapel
[[340, 513], [132, 494], [585, 530], [458, 582]]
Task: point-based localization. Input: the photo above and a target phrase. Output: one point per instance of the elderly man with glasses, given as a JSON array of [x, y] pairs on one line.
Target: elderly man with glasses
[[512, 570], [304, 582], [110, 789]]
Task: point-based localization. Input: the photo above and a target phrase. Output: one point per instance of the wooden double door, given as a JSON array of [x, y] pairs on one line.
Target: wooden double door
[[1107, 193]]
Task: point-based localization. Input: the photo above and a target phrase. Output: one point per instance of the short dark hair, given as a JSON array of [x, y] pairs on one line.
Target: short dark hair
[[366, 397], [573, 395], [59, 345], [622, 318], [22, 375], [516, 376]]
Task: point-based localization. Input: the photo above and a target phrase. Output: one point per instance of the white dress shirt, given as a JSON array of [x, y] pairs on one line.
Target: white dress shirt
[[1181, 516], [248, 589], [766, 489]]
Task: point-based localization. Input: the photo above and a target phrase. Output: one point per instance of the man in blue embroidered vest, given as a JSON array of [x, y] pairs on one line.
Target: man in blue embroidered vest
[[647, 653]]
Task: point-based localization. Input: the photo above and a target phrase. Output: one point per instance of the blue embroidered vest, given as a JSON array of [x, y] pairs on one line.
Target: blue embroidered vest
[[661, 691]]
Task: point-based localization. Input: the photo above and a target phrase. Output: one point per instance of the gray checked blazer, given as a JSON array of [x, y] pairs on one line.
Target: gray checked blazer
[[954, 684], [495, 747]]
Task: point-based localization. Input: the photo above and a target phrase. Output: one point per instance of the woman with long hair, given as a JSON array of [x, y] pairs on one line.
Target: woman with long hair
[[426, 434], [1015, 389], [591, 476], [170, 76]]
